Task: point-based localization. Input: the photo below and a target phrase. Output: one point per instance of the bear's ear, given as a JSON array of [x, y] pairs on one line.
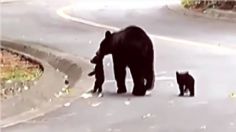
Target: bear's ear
[[177, 73], [108, 34]]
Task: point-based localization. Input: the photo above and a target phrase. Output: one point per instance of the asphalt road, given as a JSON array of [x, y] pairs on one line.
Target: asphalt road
[[212, 110]]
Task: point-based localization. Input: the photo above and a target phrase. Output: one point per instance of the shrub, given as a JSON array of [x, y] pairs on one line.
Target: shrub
[[187, 3]]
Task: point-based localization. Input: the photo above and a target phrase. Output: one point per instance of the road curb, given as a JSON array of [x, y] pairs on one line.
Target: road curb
[[9, 1], [42, 99]]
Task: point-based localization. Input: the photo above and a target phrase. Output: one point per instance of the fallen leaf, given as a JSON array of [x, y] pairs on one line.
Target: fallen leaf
[[95, 104], [26, 88], [67, 104], [65, 76], [100, 95], [86, 95], [203, 127], [146, 116], [127, 102]]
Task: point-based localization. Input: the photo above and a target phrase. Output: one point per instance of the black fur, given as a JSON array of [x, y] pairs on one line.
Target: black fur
[[131, 48], [185, 82], [99, 76]]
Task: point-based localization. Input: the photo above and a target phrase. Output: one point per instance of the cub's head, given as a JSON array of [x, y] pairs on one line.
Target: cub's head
[[182, 75]]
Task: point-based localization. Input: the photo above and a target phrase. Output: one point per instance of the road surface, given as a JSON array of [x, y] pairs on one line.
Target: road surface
[[213, 66]]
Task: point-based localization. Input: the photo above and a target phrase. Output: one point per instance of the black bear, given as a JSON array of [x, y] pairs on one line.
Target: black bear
[[99, 76], [185, 82], [130, 47]]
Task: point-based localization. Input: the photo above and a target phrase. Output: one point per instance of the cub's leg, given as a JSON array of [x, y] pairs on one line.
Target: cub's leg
[[191, 89], [181, 89]]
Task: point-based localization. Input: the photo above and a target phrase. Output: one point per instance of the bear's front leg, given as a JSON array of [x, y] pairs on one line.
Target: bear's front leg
[[120, 74]]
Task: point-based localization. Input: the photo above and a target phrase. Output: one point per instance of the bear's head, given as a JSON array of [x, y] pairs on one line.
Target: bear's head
[[104, 49]]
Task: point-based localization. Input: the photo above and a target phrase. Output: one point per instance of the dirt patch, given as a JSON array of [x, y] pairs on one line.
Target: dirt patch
[[17, 73]]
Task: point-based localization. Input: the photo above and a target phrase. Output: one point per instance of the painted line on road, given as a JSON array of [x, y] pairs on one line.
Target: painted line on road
[[61, 12], [217, 48]]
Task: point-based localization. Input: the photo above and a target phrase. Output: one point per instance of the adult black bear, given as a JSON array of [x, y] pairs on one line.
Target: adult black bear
[[185, 82], [130, 47]]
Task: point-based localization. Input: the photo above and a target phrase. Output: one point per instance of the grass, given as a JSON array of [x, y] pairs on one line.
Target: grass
[[187, 3], [19, 74], [16, 67]]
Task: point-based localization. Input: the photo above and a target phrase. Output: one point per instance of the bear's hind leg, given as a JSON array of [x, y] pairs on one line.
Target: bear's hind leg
[[138, 79], [150, 79]]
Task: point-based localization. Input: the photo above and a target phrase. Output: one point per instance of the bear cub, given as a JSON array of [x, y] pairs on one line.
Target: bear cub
[[186, 83], [99, 75]]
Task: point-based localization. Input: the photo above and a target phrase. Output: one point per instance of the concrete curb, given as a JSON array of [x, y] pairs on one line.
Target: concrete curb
[[222, 15], [41, 99], [229, 16]]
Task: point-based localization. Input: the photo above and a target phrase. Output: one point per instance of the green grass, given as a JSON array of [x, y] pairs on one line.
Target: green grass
[[187, 3], [21, 74]]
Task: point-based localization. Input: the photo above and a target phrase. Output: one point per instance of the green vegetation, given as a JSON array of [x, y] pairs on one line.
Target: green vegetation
[[19, 74], [187, 3], [206, 4], [16, 67]]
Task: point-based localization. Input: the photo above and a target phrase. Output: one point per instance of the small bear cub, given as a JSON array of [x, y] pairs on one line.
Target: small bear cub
[[99, 75], [186, 83]]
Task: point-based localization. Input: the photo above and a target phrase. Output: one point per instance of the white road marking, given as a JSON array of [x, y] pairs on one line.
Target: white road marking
[[218, 49]]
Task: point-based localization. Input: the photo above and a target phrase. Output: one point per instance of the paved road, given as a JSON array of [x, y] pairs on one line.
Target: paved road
[[212, 110], [158, 20]]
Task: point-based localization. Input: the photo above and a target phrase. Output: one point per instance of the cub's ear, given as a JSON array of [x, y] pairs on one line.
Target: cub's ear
[[107, 34]]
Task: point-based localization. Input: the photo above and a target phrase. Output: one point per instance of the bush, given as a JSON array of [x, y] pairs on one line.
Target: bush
[[206, 4], [187, 3]]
